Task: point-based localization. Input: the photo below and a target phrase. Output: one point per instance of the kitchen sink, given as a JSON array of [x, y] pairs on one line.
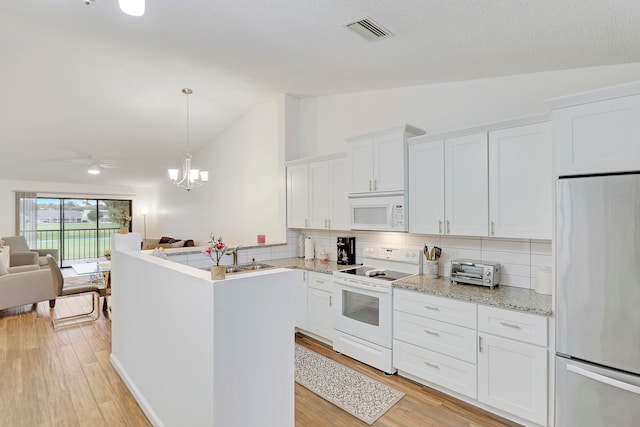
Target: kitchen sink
[[244, 268], [256, 266]]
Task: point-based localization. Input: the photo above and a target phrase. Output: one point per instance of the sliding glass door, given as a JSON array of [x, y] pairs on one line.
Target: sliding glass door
[[80, 229]]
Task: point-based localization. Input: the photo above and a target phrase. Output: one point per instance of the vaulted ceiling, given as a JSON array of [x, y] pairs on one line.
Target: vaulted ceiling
[[78, 81]]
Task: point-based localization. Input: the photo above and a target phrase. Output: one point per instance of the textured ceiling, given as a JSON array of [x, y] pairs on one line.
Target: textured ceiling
[[82, 80]]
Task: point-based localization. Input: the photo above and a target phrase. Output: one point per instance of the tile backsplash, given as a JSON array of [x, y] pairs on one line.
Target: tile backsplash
[[519, 258]]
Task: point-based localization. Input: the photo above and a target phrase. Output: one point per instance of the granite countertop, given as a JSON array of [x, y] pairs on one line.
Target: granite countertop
[[508, 297], [327, 267], [200, 248]]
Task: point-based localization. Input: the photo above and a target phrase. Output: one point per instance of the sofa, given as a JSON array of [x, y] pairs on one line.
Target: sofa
[[21, 254], [166, 242], [24, 284]]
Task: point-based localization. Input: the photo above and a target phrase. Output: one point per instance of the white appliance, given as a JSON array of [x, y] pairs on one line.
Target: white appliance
[[598, 301], [363, 309], [378, 213]]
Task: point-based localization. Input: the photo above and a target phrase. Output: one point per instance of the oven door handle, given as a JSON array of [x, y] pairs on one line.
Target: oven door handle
[[351, 284]]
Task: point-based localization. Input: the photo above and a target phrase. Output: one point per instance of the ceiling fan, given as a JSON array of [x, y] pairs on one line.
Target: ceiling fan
[[96, 166], [93, 164]]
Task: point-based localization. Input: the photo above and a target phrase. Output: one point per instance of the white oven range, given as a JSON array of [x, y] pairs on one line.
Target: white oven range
[[363, 296]]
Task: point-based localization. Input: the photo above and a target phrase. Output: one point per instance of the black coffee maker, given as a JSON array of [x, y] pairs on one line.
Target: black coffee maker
[[346, 250]]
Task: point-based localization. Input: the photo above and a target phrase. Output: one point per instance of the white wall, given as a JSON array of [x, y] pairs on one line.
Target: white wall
[[325, 121], [245, 195], [141, 197]]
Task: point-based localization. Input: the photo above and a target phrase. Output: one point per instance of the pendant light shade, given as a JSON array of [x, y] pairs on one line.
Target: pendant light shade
[[132, 7], [190, 177]]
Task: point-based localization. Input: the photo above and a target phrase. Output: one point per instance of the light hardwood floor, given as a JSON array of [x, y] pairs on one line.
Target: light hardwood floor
[[64, 378]]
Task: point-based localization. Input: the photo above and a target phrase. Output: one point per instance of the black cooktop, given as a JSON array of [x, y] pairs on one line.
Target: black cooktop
[[387, 275]]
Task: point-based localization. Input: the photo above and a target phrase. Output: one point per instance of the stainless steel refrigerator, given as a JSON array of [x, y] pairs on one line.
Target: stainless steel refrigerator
[[598, 301]]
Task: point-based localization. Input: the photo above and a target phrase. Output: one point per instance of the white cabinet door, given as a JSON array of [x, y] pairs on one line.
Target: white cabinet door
[[597, 137], [320, 313], [318, 195], [512, 376], [388, 158], [520, 182], [426, 187], [360, 155], [466, 185], [301, 299], [437, 368], [338, 195], [297, 196]]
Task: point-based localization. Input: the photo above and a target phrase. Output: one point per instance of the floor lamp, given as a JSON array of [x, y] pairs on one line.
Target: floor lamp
[[144, 221]]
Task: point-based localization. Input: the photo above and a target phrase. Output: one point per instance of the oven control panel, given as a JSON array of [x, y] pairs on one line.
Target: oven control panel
[[406, 255]]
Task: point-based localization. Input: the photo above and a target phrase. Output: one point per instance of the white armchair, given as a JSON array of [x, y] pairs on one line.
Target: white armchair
[[26, 285], [21, 254]]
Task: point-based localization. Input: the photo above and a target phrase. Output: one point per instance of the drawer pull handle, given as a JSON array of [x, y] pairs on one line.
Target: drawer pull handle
[[510, 325], [429, 307], [432, 365], [426, 331]]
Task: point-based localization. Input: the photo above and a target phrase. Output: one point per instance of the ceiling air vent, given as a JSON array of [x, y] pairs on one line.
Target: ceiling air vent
[[369, 29]]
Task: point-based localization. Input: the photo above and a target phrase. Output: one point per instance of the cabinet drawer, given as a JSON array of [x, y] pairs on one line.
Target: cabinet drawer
[[445, 371], [450, 340], [436, 308], [320, 281], [510, 324]]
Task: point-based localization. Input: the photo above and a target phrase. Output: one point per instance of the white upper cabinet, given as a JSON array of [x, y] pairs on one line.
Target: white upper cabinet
[[488, 183], [297, 196], [466, 185], [426, 187], [377, 161], [317, 195], [360, 154], [520, 182], [597, 131], [448, 186], [338, 218]]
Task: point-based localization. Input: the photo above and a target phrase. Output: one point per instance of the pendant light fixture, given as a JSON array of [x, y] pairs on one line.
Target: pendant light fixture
[[132, 7], [190, 178]]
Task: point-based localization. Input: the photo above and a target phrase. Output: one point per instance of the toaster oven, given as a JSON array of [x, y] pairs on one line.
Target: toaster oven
[[475, 273]]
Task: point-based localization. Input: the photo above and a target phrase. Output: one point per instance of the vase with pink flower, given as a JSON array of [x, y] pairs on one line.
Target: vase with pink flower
[[216, 250]]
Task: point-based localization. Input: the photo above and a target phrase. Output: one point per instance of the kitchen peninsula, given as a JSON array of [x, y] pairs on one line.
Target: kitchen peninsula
[[199, 352]]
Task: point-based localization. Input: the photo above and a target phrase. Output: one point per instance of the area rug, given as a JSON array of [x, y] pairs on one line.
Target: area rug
[[361, 396]]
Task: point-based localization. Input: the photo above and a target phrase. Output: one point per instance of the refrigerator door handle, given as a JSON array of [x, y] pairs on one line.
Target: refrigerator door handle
[[604, 379]]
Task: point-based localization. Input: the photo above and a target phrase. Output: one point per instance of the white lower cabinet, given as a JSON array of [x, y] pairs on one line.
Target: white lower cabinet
[[320, 305], [435, 340], [512, 362], [496, 357], [435, 367], [512, 376], [445, 338], [301, 299]]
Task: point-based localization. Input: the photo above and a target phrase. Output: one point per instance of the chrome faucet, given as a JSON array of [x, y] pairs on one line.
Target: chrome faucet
[[235, 254]]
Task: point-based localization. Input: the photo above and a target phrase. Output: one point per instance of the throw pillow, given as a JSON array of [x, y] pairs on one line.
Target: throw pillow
[[4, 260], [177, 244]]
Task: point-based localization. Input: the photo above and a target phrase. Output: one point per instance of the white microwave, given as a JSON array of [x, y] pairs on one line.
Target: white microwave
[[378, 213]]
